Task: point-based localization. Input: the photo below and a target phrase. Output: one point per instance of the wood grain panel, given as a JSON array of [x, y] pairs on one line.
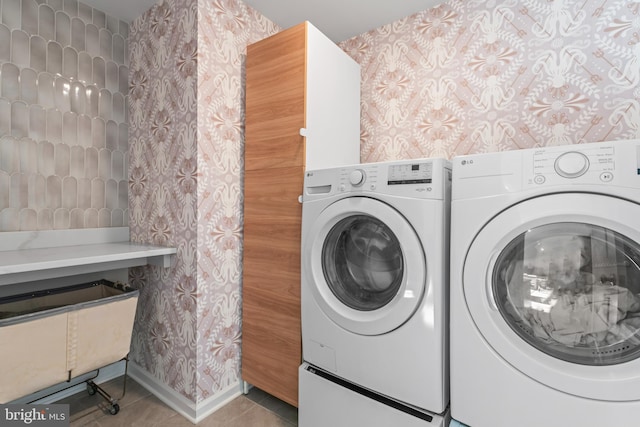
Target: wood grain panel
[[271, 331], [272, 260], [275, 100], [268, 351], [274, 193]]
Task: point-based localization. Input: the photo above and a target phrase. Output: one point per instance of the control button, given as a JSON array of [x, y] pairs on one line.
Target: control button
[[606, 176], [539, 179], [356, 177], [572, 164], [373, 187], [343, 187]]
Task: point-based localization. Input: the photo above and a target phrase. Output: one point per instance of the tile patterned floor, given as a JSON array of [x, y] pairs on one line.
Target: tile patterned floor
[[140, 408]]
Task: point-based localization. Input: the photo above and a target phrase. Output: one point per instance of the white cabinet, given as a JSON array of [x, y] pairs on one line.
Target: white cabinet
[[332, 103]]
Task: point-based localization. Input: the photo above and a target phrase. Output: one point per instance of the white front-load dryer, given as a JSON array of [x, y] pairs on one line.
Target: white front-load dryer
[[374, 277], [545, 287]]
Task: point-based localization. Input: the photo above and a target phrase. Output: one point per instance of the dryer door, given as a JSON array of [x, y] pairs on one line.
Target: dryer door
[[366, 264], [553, 285]]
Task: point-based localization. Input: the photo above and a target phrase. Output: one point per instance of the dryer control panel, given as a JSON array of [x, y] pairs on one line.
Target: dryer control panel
[[593, 162], [589, 166]]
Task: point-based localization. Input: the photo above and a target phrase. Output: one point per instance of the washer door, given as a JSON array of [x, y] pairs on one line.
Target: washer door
[[366, 265], [553, 285]]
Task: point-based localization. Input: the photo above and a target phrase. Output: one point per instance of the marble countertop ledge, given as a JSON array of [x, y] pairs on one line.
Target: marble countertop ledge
[[43, 255]]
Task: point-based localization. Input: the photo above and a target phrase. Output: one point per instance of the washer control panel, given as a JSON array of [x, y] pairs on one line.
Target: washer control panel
[[419, 178], [410, 173], [590, 163], [374, 176]]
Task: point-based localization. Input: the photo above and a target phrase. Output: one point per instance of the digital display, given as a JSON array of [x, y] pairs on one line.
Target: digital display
[[416, 173], [409, 181]]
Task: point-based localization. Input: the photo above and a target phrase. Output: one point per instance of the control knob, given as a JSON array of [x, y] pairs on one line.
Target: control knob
[[572, 164], [356, 177]]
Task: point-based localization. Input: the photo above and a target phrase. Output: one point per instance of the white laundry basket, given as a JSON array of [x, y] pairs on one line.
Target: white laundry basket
[[52, 336]]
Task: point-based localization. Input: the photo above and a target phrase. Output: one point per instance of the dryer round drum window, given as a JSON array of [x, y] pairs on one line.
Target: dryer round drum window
[[572, 290], [362, 262], [553, 286], [365, 265]]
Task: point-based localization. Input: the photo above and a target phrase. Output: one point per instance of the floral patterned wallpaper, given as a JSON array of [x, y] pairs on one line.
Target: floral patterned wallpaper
[[464, 77], [186, 147], [225, 28], [478, 76], [162, 188]]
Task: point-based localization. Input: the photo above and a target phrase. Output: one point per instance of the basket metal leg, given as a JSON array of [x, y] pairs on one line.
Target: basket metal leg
[[93, 388]]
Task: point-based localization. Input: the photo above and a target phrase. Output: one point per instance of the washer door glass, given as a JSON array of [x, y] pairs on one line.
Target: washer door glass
[[572, 290], [362, 262], [364, 265]]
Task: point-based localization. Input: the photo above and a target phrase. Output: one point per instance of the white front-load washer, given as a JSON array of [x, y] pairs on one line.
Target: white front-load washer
[[545, 287], [374, 277]]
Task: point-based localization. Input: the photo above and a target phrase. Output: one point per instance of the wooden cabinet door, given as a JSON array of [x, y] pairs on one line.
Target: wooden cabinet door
[[273, 180], [271, 332], [275, 106]]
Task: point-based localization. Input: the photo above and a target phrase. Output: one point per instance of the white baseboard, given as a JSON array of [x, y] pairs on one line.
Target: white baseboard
[[220, 399], [194, 412]]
